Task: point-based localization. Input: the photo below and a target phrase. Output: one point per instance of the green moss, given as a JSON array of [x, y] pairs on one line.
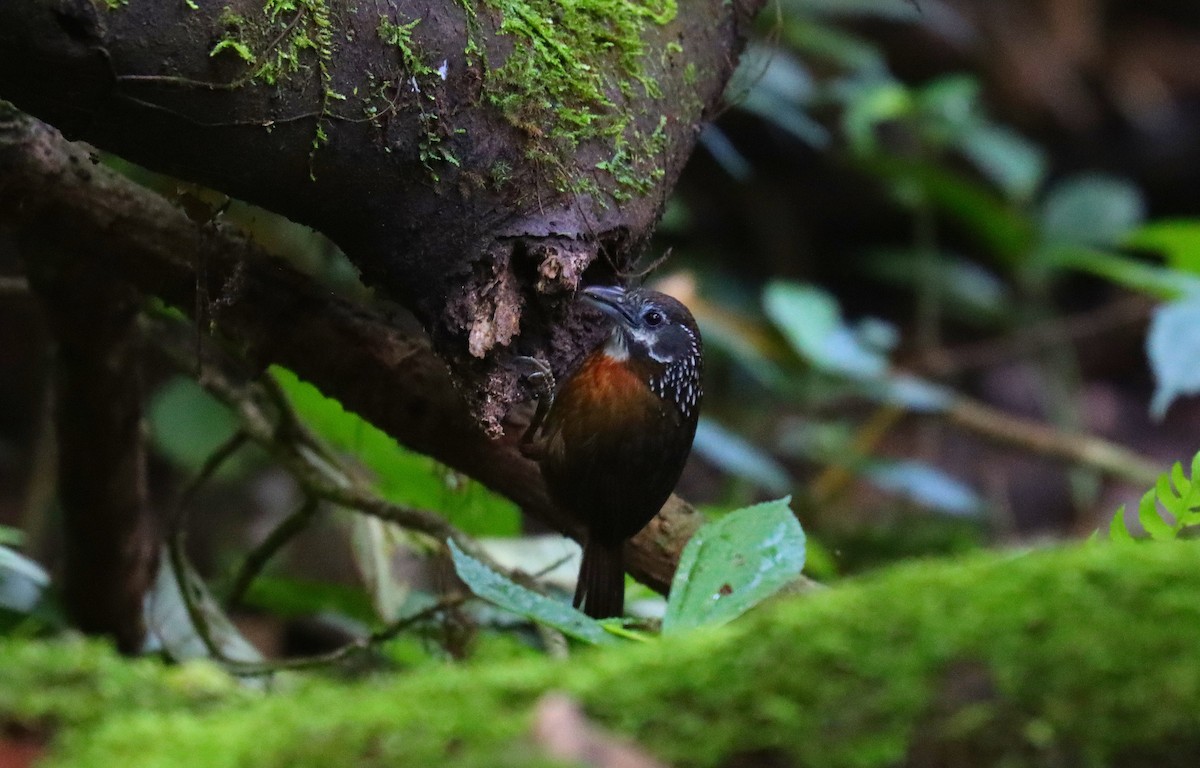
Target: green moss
[[1082, 657], [432, 148], [567, 70], [76, 684]]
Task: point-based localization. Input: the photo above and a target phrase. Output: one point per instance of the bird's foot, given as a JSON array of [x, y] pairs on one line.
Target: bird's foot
[[537, 374]]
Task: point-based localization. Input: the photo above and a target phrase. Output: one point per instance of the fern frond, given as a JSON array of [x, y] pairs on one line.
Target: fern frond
[[1175, 492]]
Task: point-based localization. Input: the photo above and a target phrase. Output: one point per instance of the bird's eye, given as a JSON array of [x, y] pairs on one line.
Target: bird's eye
[[653, 318]]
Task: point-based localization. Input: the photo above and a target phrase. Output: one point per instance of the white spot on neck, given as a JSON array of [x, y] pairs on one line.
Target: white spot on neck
[[616, 348]]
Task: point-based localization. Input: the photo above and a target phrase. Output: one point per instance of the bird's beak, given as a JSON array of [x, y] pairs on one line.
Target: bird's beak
[[609, 299]]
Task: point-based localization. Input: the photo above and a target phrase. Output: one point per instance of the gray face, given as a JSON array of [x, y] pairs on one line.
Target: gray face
[[662, 330], [655, 328]]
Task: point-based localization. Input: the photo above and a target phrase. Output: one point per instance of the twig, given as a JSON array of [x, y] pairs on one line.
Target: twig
[[944, 362], [258, 558], [1035, 437], [247, 669], [207, 470], [176, 539], [13, 286], [314, 467]]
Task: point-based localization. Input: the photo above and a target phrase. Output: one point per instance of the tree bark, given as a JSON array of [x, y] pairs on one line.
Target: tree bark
[[474, 160]]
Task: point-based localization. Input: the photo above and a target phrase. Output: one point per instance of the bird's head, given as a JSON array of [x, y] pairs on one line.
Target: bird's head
[[655, 333]]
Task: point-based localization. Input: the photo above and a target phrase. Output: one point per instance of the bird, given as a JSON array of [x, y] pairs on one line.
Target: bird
[[612, 438]]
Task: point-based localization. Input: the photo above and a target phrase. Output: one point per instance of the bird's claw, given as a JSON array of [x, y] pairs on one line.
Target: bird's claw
[[537, 373]]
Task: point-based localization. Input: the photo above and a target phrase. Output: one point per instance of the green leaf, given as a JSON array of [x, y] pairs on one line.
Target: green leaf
[[187, 425], [397, 474], [237, 46], [1008, 159], [996, 222], [1117, 529], [1151, 279], [776, 86], [1173, 346], [1091, 210], [873, 104], [733, 564], [811, 321], [11, 537], [491, 586], [1157, 528], [1179, 495], [1177, 241], [739, 458]]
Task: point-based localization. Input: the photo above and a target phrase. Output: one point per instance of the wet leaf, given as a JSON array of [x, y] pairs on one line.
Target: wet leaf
[[498, 590], [733, 564]]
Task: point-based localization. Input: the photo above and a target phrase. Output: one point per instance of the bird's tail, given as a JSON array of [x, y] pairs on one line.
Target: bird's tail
[[601, 588]]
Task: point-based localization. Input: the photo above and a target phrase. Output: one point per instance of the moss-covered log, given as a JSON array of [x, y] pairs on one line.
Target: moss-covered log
[[468, 156], [1076, 657]]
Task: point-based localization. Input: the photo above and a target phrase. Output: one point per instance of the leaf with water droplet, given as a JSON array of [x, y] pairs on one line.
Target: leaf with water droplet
[[733, 564], [498, 590]]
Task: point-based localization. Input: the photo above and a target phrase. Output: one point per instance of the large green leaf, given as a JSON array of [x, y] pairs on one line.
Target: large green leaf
[[399, 475], [498, 590], [811, 320], [734, 563]]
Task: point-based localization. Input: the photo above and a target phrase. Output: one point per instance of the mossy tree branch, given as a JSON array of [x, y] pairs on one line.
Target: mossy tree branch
[[472, 158]]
